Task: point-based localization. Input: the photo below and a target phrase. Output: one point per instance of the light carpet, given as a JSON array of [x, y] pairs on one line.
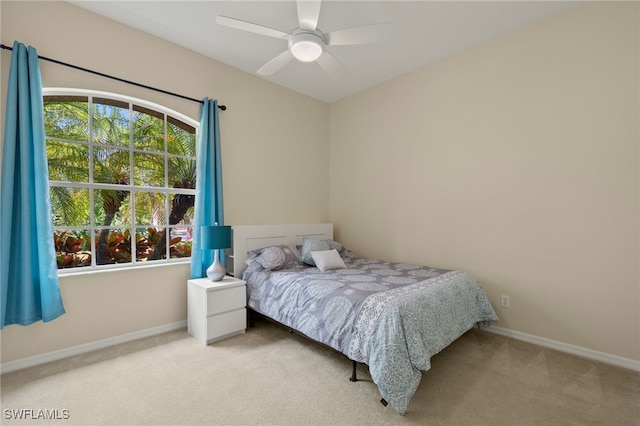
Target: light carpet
[[270, 376]]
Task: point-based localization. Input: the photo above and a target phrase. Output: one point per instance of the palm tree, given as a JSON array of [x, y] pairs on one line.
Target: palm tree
[[110, 166], [182, 174], [68, 161], [68, 120]]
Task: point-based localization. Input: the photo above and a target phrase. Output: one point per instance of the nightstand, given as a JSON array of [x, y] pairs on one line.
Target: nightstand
[[216, 309]]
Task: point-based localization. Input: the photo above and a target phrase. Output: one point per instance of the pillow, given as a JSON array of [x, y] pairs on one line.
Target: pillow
[[342, 250], [336, 245], [273, 258], [309, 245], [327, 260]]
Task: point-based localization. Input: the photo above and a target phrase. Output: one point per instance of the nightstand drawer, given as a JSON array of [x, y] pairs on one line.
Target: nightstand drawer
[[219, 326], [227, 300]]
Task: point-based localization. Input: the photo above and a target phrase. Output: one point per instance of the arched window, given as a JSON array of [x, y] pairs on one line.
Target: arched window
[[122, 175]]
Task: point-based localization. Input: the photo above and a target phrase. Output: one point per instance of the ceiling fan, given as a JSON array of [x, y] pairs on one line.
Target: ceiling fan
[[307, 43]]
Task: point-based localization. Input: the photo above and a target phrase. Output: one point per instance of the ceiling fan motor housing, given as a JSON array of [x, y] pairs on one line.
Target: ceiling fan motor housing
[[306, 45]]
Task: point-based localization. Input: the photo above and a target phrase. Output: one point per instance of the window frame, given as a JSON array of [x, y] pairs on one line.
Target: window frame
[[145, 107]]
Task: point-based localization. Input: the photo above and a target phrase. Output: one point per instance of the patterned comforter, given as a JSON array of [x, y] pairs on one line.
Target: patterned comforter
[[391, 316]]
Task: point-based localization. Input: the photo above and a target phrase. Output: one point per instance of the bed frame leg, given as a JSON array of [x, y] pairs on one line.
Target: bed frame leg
[[354, 378]]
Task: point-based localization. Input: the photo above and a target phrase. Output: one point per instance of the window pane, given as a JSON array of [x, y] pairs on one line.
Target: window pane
[[113, 246], [73, 248], [151, 208], [111, 166], [148, 169], [68, 120], [148, 130], [180, 242], [69, 206], [181, 139], [182, 172], [112, 207], [150, 244], [181, 209], [110, 122], [67, 161]]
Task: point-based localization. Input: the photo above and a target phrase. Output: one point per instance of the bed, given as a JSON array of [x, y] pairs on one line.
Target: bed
[[391, 316]]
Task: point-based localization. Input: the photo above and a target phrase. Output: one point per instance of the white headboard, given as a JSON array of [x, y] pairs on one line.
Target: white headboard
[[251, 237]]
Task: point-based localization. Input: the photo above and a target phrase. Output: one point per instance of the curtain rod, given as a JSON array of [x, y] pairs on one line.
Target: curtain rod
[[144, 86]]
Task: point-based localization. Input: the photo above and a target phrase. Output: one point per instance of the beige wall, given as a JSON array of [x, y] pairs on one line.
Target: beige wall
[[263, 157], [516, 161]]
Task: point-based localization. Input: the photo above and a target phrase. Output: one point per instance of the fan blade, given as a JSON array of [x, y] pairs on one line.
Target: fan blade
[[375, 33], [276, 63], [251, 27], [330, 65], [308, 13]]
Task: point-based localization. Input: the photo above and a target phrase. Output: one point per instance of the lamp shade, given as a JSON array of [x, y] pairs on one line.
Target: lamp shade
[[216, 237]]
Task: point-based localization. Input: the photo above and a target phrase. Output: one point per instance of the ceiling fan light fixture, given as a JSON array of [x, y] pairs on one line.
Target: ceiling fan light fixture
[[306, 46]]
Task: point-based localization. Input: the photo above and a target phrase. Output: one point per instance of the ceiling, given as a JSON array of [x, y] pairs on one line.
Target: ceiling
[[424, 32]]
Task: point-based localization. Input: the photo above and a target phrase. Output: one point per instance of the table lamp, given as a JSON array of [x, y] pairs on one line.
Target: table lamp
[[216, 238]]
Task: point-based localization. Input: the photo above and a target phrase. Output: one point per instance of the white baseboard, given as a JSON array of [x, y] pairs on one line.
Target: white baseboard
[[88, 347], [100, 344], [618, 361]]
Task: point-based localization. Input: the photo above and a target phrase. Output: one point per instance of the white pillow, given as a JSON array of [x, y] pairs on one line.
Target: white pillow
[[327, 259]]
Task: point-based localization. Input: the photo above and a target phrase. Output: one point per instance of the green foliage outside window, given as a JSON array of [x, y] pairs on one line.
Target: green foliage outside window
[[122, 181]]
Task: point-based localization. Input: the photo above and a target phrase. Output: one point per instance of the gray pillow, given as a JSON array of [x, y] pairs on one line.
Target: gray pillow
[[309, 245], [273, 258]]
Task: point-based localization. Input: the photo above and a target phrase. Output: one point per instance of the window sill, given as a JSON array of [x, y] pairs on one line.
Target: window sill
[[119, 268]]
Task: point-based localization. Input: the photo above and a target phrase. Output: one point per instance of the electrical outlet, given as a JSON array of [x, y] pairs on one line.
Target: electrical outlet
[[504, 301]]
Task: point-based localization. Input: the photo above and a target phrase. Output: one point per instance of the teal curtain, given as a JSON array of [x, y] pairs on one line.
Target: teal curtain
[[208, 203], [28, 270]]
